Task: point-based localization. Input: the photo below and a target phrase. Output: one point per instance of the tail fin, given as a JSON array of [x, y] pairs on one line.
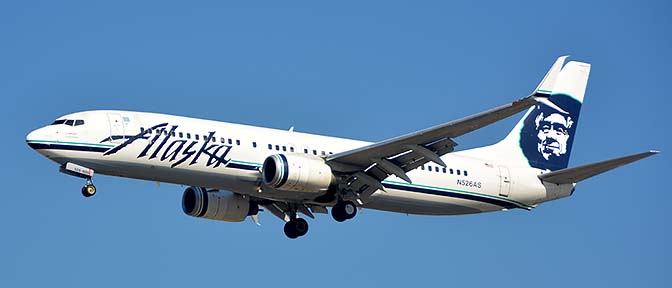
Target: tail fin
[[546, 133]]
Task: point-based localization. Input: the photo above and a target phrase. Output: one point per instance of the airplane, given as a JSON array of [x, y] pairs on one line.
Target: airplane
[[235, 171]]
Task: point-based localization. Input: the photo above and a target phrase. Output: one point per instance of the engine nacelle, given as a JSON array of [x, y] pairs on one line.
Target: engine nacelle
[[216, 205], [296, 173]]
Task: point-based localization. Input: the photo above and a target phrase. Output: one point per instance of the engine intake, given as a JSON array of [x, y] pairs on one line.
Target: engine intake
[[296, 173], [216, 205]]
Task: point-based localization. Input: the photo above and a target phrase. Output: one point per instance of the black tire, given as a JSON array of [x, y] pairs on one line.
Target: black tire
[[337, 213], [290, 232], [88, 191], [349, 209], [300, 226]]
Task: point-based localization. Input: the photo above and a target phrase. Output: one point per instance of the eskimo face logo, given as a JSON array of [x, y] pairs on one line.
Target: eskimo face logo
[[552, 133], [548, 131]]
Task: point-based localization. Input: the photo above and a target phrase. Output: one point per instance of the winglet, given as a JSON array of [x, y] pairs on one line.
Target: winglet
[[545, 87]]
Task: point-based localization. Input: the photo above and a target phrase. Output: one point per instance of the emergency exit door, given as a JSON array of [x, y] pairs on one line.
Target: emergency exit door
[[504, 181]]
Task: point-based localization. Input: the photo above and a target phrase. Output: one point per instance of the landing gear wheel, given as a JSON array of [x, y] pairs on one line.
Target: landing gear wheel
[[349, 209], [344, 211], [296, 228], [337, 213], [88, 190]]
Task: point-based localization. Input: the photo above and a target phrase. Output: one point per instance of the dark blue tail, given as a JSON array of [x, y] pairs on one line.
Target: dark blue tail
[[546, 133]]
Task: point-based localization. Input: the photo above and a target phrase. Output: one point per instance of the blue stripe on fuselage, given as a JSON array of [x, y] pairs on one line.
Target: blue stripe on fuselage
[[242, 166], [43, 146], [451, 194], [248, 167]]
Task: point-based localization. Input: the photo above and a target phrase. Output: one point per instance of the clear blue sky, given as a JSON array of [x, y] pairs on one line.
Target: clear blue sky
[[351, 69]]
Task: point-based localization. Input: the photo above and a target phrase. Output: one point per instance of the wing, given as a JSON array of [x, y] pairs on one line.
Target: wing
[[364, 168], [371, 164]]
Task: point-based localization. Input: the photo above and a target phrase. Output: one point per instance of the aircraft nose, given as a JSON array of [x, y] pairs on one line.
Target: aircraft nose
[[33, 136]]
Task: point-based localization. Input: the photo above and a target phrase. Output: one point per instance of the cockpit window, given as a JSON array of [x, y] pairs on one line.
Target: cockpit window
[[68, 122]]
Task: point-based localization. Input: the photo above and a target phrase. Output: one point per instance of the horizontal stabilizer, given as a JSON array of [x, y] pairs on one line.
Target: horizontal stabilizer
[[580, 173]]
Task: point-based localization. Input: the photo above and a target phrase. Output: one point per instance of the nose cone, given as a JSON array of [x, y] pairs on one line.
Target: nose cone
[[34, 137]]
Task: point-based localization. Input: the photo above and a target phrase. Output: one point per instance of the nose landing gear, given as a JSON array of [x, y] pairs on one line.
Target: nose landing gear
[[82, 172], [88, 190]]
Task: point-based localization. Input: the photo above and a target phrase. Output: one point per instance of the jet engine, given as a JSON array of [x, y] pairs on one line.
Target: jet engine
[[216, 205], [298, 173]]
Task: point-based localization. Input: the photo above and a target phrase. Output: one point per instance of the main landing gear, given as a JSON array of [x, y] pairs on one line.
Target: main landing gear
[[88, 190], [296, 227], [343, 211]]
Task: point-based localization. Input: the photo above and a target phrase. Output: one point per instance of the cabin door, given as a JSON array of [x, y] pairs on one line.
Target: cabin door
[[504, 181], [117, 133]]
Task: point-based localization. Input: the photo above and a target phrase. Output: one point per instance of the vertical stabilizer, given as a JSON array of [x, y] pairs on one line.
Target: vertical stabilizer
[[543, 138]]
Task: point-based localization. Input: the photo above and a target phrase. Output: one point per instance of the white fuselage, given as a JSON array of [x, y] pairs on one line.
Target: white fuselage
[[176, 151]]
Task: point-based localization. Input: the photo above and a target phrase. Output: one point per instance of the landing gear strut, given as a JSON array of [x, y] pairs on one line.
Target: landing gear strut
[[343, 211], [88, 190]]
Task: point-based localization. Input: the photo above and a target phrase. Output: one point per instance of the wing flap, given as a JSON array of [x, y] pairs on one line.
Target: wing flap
[[580, 173]]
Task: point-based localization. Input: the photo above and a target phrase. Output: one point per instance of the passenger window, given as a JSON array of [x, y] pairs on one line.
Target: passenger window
[[291, 149], [284, 148], [222, 140], [458, 171], [270, 147], [196, 136], [79, 122], [451, 170], [314, 152], [172, 133], [331, 153], [165, 132], [188, 135], [181, 135], [422, 167], [254, 144], [277, 147], [238, 142], [465, 172], [69, 122], [436, 169], [305, 150], [230, 141], [444, 170]]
